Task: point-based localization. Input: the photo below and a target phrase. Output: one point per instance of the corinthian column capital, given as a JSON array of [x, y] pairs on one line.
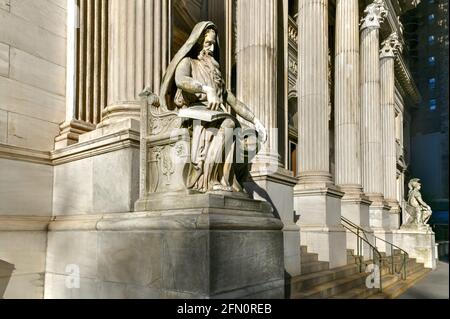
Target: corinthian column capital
[[375, 13], [391, 46]]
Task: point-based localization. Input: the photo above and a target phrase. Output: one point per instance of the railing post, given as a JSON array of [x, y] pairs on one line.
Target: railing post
[[405, 265], [392, 260]]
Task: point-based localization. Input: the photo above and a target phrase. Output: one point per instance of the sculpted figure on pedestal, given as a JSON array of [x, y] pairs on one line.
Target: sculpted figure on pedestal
[[193, 87], [419, 212]]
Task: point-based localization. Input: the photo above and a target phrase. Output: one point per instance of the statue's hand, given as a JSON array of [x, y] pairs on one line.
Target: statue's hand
[[213, 100], [262, 132]]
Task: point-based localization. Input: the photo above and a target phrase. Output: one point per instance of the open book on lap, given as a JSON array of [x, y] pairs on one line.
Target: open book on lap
[[203, 114]]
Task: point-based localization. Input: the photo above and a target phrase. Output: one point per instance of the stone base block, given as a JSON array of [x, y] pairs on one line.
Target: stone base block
[[394, 219], [419, 244], [383, 240], [329, 243], [100, 174], [277, 190], [356, 210], [198, 246], [379, 217], [319, 210]]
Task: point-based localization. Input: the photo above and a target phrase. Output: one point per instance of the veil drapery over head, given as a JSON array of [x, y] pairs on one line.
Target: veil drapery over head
[[168, 87]]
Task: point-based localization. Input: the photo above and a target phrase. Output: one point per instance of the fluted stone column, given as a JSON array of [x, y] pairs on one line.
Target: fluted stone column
[[316, 198], [139, 48], [257, 57], [370, 103], [371, 125], [355, 206], [390, 48]]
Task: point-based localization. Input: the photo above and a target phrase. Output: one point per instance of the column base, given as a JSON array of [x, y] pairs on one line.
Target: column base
[[277, 190], [117, 113], [319, 208], [129, 124], [70, 133]]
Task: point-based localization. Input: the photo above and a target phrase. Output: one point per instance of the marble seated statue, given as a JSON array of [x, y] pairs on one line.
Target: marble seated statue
[[418, 212], [193, 119]]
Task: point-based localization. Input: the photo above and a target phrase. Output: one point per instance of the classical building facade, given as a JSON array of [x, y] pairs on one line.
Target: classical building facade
[[328, 78]]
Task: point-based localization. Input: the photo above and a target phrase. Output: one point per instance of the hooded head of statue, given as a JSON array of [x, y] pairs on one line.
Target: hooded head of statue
[[202, 44]]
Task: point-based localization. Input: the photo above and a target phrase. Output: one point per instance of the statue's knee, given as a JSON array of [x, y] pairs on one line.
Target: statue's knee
[[228, 124]]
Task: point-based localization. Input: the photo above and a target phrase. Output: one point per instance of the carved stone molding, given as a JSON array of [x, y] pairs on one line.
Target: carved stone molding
[[391, 46], [375, 13]]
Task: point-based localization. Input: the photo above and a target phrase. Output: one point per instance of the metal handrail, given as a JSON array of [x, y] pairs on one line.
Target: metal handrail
[[404, 254], [359, 232]]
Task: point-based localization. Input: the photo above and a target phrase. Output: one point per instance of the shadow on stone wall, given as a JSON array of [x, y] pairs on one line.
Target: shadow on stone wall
[[6, 270]]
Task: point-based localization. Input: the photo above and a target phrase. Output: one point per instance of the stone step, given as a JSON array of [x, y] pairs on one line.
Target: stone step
[[334, 287], [305, 282], [411, 266], [351, 260], [363, 292], [411, 270], [401, 286], [303, 249], [308, 258], [315, 266]]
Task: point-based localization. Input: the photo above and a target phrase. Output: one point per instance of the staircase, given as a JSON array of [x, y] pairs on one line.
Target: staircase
[[318, 281]]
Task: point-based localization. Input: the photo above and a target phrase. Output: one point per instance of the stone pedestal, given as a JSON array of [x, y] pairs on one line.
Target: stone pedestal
[[380, 222], [418, 243], [100, 174], [356, 209], [191, 246], [319, 211], [277, 190]]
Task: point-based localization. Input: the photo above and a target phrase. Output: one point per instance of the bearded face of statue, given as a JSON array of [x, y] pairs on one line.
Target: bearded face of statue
[[209, 44], [207, 57]]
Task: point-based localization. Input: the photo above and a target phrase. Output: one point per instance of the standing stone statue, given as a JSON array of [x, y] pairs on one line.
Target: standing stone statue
[[417, 210], [194, 87]]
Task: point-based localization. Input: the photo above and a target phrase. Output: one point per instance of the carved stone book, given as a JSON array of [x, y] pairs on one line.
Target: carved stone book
[[202, 113]]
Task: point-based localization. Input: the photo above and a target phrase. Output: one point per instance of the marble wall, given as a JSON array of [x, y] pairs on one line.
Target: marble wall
[[32, 105], [32, 71]]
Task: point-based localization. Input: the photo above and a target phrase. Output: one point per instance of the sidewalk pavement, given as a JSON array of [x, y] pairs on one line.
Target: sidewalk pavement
[[434, 286]]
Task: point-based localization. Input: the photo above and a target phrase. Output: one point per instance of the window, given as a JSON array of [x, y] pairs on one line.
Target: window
[[432, 83], [431, 60], [431, 39], [431, 18], [432, 104]]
